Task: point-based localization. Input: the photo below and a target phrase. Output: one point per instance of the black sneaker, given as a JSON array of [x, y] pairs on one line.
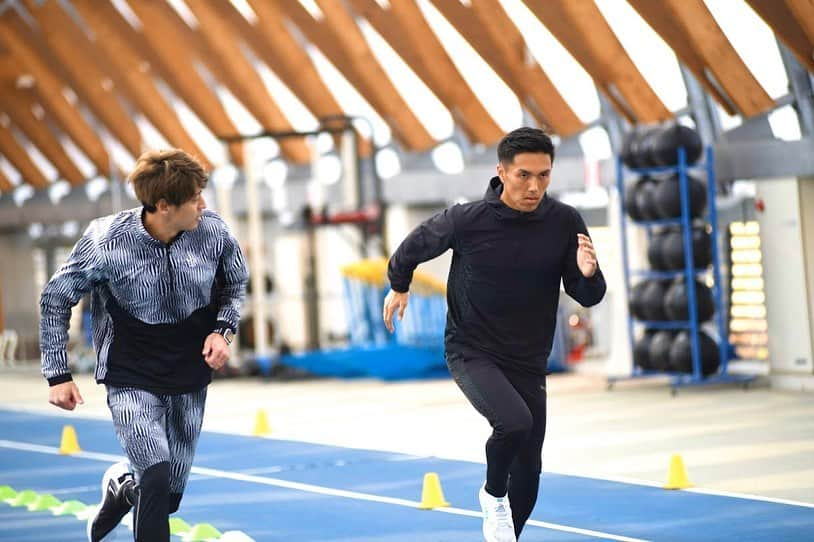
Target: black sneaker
[[114, 505]]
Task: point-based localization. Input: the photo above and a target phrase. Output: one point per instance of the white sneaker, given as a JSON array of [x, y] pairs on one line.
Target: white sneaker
[[497, 518], [113, 507]]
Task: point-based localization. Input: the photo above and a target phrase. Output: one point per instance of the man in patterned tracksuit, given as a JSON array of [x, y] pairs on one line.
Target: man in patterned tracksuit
[[166, 280]]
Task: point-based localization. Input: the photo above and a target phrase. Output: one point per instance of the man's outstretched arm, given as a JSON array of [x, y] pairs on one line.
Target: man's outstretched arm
[[430, 239]]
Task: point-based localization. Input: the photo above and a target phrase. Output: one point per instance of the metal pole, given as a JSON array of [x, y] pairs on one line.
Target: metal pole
[[689, 260], [311, 281], [723, 339], [612, 123], [2, 320], [699, 107], [620, 186], [257, 259], [800, 84]]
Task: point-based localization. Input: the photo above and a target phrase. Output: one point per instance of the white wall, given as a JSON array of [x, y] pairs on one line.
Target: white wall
[[335, 247], [20, 292], [806, 187], [788, 295], [288, 270], [614, 307]]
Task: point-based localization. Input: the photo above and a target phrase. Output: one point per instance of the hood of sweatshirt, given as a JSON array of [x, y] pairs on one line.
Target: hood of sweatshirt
[[504, 212]]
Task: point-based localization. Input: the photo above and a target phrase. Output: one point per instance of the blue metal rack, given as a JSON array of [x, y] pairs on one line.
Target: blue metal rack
[[689, 273]]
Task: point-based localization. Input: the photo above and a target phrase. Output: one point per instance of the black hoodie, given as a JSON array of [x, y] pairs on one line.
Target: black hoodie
[[504, 282]]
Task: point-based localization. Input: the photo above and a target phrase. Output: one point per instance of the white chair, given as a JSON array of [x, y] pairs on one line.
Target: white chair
[[8, 347]]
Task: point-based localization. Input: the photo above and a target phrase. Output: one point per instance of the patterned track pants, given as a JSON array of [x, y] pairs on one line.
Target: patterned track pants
[[158, 433]]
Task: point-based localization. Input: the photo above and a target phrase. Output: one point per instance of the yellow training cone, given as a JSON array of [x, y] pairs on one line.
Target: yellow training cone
[[677, 477], [69, 443], [432, 496], [261, 424]]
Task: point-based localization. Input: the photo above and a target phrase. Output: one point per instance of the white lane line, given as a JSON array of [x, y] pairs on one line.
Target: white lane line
[[46, 411], [217, 473], [700, 490], [53, 450], [720, 493]]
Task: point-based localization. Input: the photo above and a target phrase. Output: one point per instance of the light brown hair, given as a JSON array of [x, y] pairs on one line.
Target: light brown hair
[[171, 175]]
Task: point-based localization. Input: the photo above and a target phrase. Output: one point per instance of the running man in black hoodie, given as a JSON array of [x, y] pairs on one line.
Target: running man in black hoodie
[[509, 252]]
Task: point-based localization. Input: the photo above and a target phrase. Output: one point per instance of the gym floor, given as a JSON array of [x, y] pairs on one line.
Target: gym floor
[[346, 459]]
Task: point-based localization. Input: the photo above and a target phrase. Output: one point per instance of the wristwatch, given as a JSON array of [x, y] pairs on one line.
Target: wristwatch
[[226, 333]]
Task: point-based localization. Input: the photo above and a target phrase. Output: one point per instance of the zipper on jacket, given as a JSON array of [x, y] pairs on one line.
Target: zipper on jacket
[[169, 270]]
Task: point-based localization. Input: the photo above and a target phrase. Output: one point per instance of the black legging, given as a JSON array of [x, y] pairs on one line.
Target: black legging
[[514, 402]]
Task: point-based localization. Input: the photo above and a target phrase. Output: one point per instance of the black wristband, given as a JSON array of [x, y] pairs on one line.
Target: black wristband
[[59, 379], [221, 324]]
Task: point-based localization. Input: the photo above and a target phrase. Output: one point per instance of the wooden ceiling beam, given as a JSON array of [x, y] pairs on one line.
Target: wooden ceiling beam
[[581, 28], [407, 32], [165, 45], [241, 77], [129, 72], [400, 116], [10, 68], [339, 38], [469, 26], [273, 43], [49, 89], [5, 184], [18, 156], [787, 28], [18, 106], [325, 42], [276, 11], [803, 11], [673, 35], [504, 51], [538, 94], [79, 58], [693, 26]]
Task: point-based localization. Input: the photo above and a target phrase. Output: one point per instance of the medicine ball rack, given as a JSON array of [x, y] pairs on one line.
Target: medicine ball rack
[[685, 222]]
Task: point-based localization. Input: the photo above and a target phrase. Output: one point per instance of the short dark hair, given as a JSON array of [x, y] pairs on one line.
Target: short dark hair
[[171, 175], [524, 140]]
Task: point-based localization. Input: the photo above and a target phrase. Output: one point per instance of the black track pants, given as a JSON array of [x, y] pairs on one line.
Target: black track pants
[[514, 403]]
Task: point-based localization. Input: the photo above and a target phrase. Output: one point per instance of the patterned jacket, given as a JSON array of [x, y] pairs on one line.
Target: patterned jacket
[[152, 304]]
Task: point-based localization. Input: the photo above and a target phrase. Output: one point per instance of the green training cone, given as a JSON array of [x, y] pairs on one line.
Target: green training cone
[[7, 492], [68, 508], [23, 498], [46, 501], [201, 532], [178, 526]]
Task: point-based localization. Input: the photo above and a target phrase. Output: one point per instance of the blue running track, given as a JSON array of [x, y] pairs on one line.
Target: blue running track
[[277, 490]]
